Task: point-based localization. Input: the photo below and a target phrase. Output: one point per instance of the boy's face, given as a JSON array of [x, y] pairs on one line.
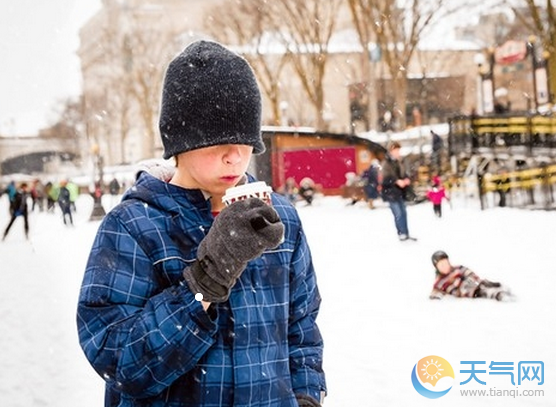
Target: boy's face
[[443, 266], [214, 169]]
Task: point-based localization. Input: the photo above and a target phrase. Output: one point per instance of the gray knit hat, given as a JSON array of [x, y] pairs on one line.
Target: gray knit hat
[[210, 97]]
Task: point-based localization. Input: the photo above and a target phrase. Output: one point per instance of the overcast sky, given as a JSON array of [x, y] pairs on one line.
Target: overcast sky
[[39, 65]]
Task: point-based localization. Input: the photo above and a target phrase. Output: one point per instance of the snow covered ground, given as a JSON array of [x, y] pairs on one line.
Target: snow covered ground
[[376, 318]]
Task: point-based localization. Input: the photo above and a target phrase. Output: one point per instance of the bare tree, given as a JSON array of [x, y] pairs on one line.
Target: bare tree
[[129, 76], [541, 21], [147, 47], [69, 115], [97, 124], [306, 28], [248, 25], [366, 37], [106, 104], [397, 27], [273, 34]]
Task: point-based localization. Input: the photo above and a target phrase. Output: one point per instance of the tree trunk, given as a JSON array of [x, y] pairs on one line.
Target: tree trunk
[[400, 88]]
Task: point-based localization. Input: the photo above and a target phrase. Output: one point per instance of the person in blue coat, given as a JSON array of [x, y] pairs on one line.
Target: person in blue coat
[[11, 191], [372, 182], [188, 302]]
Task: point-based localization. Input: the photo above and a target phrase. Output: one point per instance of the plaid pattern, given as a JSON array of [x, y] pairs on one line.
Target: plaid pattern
[[143, 332], [460, 282]]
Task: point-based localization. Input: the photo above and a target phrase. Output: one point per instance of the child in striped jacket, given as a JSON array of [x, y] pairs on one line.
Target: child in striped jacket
[[460, 281]]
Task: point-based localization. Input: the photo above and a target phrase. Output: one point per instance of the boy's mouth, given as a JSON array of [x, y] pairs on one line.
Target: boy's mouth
[[230, 179]]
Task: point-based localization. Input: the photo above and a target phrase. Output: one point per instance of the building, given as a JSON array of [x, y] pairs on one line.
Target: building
[[127, 45], [324, 157]]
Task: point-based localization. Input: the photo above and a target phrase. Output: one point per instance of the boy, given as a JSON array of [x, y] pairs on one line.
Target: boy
[[459, 281], [186, 302]]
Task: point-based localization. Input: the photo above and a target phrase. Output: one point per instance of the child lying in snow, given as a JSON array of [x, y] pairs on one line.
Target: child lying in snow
[[460, 281]]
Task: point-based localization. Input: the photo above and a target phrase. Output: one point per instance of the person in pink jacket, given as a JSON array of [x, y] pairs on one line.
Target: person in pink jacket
[[436, 194]]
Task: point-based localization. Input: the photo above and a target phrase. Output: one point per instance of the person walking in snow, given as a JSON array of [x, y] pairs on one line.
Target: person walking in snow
[[37, 194], [436, 154], [11, 191], [395, 185], [372, 182], [64, 200], [19, 207], [460, 281], [436, 194], [73, 189], [307, 190], [114, 190], [186, 301], [290, 189], [51, 192]]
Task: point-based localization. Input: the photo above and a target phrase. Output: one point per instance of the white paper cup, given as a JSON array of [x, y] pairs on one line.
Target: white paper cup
[[252, 190]]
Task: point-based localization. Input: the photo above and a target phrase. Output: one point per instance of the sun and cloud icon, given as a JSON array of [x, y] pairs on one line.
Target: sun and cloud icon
[[432, 377]]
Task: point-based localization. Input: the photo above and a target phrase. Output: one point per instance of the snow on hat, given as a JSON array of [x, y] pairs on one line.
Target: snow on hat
[[210, 97]]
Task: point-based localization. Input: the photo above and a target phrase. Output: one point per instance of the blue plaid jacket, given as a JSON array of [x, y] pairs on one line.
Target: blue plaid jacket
[[151, 341]]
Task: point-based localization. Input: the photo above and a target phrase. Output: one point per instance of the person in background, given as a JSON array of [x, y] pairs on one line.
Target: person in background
[[394, 183], [19, 207], [307, 190], [186, 301], [51, 192], [436, 194], [459, 281], [372, 182], [353, 188], [114, 186], [73, 189], [11, 191], [114, 190], [291, 190], [436, 154], [503, 187], [64, 200], [37, 194]]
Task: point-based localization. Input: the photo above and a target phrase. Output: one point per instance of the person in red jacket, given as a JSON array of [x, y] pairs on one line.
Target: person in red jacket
[[436, 194], [460, 281]]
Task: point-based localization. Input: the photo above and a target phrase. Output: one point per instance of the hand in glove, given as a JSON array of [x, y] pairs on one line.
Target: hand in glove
[[306, 401], [240, 233], [436, 295]]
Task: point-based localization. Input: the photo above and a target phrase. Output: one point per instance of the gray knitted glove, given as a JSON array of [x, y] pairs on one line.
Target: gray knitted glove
[[306, 401], [240, 233]]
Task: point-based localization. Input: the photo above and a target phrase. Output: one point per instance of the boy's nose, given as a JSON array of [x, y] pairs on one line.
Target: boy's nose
[[233, 154]]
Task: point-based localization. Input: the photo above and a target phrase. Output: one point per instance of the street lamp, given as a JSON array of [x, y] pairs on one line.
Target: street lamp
[[98, 169], [540, 73], [284, 113], [486, 74]]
